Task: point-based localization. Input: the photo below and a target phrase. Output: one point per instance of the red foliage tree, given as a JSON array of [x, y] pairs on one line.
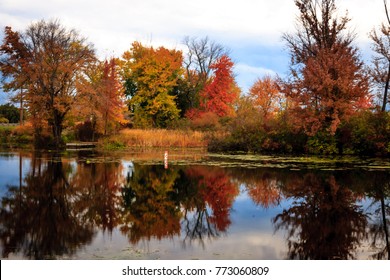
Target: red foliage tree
[[220, 93]]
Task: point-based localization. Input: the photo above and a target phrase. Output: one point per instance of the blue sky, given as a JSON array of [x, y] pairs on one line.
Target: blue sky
[[251, 29]]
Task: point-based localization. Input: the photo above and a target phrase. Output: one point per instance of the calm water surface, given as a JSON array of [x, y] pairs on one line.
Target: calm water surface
[[129, 206]]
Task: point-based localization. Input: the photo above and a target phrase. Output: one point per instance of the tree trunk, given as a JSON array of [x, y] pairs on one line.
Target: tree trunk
[[57, 130], [383, 208], [386, 90], [21, 107]]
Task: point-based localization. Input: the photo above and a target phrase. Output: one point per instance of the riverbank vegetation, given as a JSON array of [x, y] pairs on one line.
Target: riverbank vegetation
[[331, 101], [162, 138]]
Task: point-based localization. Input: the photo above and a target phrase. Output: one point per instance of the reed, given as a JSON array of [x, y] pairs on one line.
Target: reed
[[158, 138]]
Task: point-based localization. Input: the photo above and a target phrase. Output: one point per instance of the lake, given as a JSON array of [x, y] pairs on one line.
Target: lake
[[132, 205]]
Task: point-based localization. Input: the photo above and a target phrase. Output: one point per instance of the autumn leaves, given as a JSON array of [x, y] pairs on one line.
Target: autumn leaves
[[62, 84]]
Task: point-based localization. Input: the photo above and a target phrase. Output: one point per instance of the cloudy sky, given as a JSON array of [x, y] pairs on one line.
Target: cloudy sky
[[251, 29]]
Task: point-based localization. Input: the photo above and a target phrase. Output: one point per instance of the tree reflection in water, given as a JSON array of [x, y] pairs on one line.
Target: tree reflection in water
[[60, 205], [324, 220], [151, 208], [156, 200], [98, 189], [379, 191], [202, 189], [38, 219]]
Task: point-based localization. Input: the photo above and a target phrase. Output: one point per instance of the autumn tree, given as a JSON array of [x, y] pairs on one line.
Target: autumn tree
[[12, 59], [266, 96], [150, 76], [101, 87], [46, 58], [111, 97], [221, 91], [324, 220], [327, 78], [380, 70], [201, 54]]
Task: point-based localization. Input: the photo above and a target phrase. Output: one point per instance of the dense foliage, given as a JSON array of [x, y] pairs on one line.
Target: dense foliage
[[331, 102]]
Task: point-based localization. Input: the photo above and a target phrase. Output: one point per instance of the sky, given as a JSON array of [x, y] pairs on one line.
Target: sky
[[251, 29]]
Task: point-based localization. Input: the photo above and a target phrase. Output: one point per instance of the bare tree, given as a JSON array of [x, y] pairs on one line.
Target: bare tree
[[380, 70], [201, 54]]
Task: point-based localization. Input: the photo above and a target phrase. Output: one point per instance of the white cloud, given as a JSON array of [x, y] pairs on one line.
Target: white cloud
[[113, 25], [247, 75]]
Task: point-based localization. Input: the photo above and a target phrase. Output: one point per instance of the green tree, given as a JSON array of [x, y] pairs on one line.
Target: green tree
[[10, 112]]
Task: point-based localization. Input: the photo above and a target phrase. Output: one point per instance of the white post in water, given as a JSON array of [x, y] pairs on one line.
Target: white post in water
[[166, 160]]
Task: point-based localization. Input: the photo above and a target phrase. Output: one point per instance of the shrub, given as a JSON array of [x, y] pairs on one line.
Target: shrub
[[205, 122], [323, 143], [370, 133], [3, 120]]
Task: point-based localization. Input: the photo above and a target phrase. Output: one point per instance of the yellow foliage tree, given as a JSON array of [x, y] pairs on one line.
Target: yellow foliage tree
[[150, 76]]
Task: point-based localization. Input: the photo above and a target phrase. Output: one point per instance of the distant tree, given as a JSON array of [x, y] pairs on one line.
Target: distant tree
[[10, 112], [266, 95], [13, 56], [201, 54], [150, 76], [102, 101], [380, 70], [46, 58], [220, 93], [111, 97], [327, 77]]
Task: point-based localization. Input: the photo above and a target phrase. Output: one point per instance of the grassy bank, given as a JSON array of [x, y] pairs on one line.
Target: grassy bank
[[128, 138]]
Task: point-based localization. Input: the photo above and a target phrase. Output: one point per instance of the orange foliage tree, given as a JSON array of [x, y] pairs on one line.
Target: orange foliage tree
[[266, 96], [327, 81], [201, 54], [46, 60], [111, 99], [101, 98]]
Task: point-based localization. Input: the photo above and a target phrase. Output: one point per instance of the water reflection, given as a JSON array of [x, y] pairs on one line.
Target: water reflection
[[39, 218], [324, 221], [151, 207], [204, 190], [60, 204], [379, 190]]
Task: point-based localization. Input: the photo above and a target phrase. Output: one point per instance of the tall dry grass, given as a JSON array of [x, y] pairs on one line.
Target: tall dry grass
[[160, 138]]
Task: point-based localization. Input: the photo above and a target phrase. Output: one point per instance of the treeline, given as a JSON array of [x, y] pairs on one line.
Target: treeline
[[327, 104], [59, 82]]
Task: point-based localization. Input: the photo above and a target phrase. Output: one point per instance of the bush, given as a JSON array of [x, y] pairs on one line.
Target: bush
[[3, 120], [323, 143], [208, 121], [370, 133]]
